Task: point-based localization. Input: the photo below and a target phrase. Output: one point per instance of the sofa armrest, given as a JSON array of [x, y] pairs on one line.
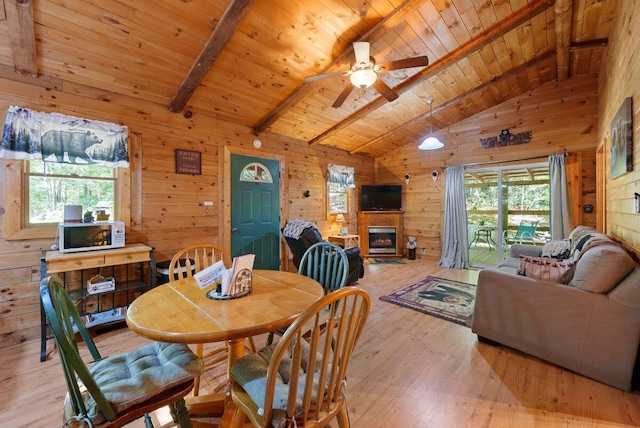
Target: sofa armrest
[[518, 250]]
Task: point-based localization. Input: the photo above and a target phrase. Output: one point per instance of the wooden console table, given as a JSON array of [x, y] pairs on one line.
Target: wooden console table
[[132, 266], [368, 219]]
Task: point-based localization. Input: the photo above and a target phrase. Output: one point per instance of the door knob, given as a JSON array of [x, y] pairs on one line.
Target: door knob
[[234, 230]]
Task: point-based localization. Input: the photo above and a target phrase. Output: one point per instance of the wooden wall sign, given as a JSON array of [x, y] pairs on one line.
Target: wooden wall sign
[[506, 139], [188, 162]]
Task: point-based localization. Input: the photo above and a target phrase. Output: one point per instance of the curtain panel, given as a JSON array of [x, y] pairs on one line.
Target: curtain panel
[[560, 204], [54, 137], [455, 242]]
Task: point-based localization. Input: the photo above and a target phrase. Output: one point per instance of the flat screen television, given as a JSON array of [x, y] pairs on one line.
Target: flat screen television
[[385, 197]]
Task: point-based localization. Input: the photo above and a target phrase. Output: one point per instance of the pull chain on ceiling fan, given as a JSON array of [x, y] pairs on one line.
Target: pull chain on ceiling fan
[[364, 73]]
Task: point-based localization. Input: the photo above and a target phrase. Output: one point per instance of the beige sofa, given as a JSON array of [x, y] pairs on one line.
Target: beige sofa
[[591, 325]]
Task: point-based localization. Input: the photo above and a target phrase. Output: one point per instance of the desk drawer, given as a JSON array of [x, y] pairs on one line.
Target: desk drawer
[[68, 264], [119, 259]]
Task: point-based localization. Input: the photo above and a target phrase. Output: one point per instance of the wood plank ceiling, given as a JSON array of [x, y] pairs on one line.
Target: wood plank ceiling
[[245, 61]]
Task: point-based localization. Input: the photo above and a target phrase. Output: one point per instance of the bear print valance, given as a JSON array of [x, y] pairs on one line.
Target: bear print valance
[[54, 137], [341, 176]]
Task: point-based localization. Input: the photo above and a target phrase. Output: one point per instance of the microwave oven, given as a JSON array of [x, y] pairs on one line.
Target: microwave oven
[[74, 237]]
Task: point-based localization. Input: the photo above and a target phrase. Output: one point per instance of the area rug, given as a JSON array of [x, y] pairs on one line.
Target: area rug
[[375, 261], [443, 298]]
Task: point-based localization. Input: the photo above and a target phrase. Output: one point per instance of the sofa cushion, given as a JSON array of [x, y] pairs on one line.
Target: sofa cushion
[[601, 268], [546, 269], [559, 249]]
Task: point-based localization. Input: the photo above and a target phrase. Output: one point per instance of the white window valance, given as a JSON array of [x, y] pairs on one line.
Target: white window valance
[[54, 137], [341, 176]]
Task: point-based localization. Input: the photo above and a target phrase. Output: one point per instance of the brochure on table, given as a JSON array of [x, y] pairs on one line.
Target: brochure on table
[[232, 281]]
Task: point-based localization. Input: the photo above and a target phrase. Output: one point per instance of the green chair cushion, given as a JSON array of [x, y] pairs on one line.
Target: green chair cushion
[[133, 377], [250, 372]]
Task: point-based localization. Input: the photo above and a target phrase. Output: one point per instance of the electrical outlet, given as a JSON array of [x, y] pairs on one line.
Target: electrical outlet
[[423, 251]]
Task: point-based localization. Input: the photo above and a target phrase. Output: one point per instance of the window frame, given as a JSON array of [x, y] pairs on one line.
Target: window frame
[[27, 188], [15, 203]]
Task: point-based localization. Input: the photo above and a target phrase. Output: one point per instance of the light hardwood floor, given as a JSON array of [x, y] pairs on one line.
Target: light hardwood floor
[[409, 370]]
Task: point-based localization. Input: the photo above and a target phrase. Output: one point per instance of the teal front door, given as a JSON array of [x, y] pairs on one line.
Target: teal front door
[[255, 210]]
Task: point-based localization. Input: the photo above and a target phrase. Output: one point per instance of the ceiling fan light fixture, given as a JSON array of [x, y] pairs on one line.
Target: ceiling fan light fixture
[[431, 142], [363, 78]]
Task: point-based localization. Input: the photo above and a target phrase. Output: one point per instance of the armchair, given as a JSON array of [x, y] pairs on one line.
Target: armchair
[[309, 236]]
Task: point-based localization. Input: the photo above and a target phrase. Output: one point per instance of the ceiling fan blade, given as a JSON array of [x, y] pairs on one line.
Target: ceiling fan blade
[[361, 49], [343, 95], [385, 90], [323, 76], [419, 61]]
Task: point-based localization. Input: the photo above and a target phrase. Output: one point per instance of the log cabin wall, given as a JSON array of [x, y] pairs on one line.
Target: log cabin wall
[[562, 118], [619, 79], [166, 208]]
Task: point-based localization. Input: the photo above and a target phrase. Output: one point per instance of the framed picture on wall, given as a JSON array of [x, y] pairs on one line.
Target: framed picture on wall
[[622, 140]]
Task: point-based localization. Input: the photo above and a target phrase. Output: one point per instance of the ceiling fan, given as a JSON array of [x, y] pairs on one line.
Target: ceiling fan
[[364, 73]]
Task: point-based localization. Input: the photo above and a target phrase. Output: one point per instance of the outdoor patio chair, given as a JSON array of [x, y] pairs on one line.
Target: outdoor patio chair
[[524, 234]]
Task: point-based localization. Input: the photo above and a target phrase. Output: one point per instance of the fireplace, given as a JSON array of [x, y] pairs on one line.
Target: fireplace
[[382, 240]]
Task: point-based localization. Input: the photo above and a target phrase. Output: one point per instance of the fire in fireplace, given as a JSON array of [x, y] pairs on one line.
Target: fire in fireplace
[[382, 240]]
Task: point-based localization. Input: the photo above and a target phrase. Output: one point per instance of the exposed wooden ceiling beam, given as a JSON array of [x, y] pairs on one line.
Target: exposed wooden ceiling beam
[[458, 99], [563, 13], [218, 39], [390, 21], [588, 44], [22, 36], [473, 45]]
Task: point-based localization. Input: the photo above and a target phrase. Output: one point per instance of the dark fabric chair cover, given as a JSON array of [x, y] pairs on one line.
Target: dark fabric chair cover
[[310, 236]]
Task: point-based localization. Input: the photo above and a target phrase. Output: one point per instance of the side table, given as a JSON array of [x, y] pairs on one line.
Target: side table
[[345, 241]]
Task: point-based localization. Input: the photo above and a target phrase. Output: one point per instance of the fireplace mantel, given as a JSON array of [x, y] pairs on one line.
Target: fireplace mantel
[[368, 219]]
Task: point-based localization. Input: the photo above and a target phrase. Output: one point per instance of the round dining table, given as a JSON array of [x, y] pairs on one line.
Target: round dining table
[[181, 312]]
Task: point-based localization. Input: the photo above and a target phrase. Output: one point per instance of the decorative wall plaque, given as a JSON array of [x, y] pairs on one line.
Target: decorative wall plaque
[[506, 139], [188, 162]]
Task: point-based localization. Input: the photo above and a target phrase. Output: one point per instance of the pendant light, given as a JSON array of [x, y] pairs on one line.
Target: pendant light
[[431, 142]]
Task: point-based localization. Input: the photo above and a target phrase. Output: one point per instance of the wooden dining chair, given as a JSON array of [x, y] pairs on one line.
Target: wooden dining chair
[[115, 390], [325, 262], [301, 380], [186, 263]]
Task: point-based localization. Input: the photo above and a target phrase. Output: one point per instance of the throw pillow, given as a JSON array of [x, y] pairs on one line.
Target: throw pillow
[[557, 249], [546, 269]]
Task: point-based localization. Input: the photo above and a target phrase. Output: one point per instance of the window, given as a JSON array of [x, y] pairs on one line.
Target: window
[[17, 196], [256, 172], [337, 199], [50, 186]]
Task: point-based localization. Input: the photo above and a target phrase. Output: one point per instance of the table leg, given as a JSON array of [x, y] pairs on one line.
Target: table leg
[[218, 405]]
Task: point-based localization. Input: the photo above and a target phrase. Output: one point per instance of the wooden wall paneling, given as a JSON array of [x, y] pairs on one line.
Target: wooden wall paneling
[[618, 81], [562, 118], [166, 208], [135, 166]]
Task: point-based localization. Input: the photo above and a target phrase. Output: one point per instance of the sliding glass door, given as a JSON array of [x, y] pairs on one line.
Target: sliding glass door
[[506, 205]]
